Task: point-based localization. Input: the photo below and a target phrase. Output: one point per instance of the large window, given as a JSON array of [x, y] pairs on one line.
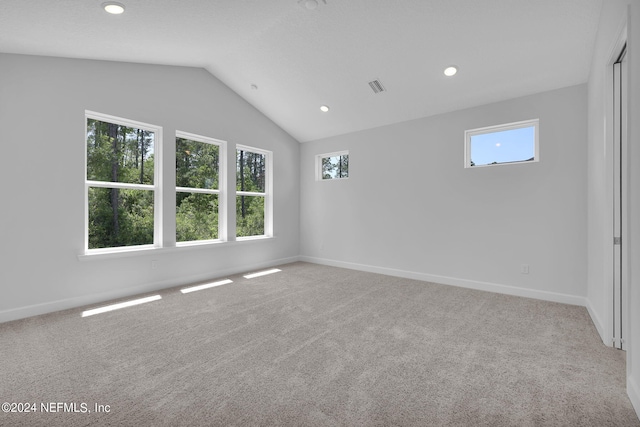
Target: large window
[[332, 166], [124, 187], [253, 192], [198, 184], [122, 181], [502, 144]]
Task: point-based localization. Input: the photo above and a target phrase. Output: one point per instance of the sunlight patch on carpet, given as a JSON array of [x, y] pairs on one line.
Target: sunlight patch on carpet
[[120, 305], [206, 286], [262, 273]]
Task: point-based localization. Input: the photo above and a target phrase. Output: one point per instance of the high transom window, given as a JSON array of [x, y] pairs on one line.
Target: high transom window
[[332, 166], [502, 144]]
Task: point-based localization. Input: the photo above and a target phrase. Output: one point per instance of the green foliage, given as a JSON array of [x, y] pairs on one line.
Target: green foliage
[[134, 213], [197, 164], [196, 217], [118, 153], [252, 222]]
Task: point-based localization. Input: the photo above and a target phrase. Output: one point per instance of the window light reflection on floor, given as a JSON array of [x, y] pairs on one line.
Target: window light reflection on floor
[[262, 273], [120, 305], [205, 286]]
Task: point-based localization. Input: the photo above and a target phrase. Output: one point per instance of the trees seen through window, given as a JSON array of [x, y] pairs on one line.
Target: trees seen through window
[[120, 184], [197, 189], [251, 179]]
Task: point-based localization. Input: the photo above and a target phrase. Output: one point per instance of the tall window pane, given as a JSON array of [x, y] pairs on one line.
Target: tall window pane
[[251, 192], [119, 183], [197, 188]]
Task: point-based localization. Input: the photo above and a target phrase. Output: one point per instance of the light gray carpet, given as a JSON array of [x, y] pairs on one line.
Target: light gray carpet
[[319, 346]]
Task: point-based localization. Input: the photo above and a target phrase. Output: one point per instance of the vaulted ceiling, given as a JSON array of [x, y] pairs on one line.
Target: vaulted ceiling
[[299, 58]]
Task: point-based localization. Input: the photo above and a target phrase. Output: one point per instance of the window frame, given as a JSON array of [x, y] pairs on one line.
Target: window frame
[[220, 191], [468, 134], [156, 188], [268, 192], [320, 157]]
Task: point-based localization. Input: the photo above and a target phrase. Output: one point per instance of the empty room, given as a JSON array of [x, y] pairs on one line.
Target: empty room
[[320, 213]]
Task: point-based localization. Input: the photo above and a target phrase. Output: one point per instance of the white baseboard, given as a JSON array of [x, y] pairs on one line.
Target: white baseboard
[[463, 283], [633, 391], [76, 302], [597, 322]]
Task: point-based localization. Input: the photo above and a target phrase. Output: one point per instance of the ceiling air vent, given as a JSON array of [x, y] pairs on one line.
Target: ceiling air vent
[[376, 86]]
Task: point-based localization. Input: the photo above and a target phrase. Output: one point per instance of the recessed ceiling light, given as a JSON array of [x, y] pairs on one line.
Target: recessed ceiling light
[[324, 108], [113, 7], [450, 71]]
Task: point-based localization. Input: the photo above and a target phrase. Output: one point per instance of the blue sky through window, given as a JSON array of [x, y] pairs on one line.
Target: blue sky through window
[[513, 145]]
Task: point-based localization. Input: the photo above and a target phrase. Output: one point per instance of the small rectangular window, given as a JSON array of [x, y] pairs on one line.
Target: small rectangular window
[[197, 187], [332, 166], [502, 144], [253, 192], [121, 183]]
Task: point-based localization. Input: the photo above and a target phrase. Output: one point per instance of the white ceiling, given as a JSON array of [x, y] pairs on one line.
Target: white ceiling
[[301, 58]]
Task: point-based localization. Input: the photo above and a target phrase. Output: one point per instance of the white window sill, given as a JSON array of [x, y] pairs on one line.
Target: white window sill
[[250, 238], [180, 247], [333, 179]]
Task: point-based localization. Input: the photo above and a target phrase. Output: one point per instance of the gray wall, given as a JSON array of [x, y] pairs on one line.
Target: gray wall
[[410, 208], [42, 106]]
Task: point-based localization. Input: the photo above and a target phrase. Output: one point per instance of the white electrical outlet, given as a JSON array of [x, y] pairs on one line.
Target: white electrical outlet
[[154, 265], [524, 269]]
